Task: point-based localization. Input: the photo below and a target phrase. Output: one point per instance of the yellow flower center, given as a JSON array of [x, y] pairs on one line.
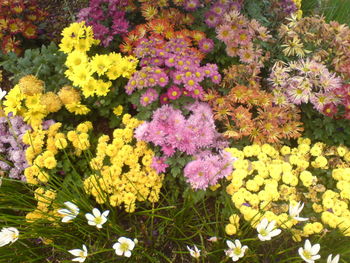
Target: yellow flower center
[[124, 246], [98, 220], [307, 254]]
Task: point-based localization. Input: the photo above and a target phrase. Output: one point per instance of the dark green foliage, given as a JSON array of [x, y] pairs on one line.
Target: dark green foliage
[[319, 127], [47, 63]]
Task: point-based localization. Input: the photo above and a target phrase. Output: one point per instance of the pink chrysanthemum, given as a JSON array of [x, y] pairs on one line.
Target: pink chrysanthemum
[[174, 92], [206, 45], [158, 164], [207, 169]]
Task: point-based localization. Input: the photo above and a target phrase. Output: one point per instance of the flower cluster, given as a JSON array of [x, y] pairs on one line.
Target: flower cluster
[[207, 169], [128, 177], [247, 110], [46, 208], [87, 72], [162, 29], [172, 131], [214, 16], [272, 182], [321, 41], [106, 18], [18, 17], [305, 81], [242, 37], [153, 9], [29, 100], [46, 142], [173, 65], [12, 149]]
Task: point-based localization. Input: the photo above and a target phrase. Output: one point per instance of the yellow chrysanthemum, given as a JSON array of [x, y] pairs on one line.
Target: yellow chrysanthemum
[[31, 85], [51, 101]]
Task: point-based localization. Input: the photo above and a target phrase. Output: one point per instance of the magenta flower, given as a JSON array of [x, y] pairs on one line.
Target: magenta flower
[[174, 92]]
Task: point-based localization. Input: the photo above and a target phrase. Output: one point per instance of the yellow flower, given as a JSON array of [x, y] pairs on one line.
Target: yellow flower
[[31, 85], [342, 150], [77, 108], [118, 110], [102, 87], [76, 58], [51, 101], [69, 95], [100, 64], [50, 162], [230, 229]]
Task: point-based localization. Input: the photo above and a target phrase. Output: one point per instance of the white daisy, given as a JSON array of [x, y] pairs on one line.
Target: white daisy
[[235, 251], [81, 254], [124, 246], [267, 230], [96, 218], [309, 253]]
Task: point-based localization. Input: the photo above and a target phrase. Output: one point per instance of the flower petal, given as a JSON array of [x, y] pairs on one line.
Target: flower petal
[[127, 254], [89, 217], [315, 248], [75, 252], [96, 212], [230, 244]]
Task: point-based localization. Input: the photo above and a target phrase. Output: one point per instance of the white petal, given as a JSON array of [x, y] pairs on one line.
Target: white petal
[[71, 206], [230, 244], [122, 239], [301, 252], [89, 217], [79, 259], [92, 223], [66, 219], [301, 218], [85, 249], [75, 252], [96, 212], [4, 242], [64, 211], [116, 245], [275, 232], [307, 245], [264, 238], [271, 226], [238, 244], [336, 259], [127, 254], [105, 213], [131, 244], [190, 249], [234, 257], [300, 207], [315, 248], [263, 224]]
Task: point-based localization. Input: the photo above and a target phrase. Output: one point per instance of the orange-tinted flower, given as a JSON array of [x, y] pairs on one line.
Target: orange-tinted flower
[[30, 31]]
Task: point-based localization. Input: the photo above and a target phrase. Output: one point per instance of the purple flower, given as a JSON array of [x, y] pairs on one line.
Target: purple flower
[[12, 148]]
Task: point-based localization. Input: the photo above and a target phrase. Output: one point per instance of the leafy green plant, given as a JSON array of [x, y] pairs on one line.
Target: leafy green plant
[[319, 127], [46, 63]]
